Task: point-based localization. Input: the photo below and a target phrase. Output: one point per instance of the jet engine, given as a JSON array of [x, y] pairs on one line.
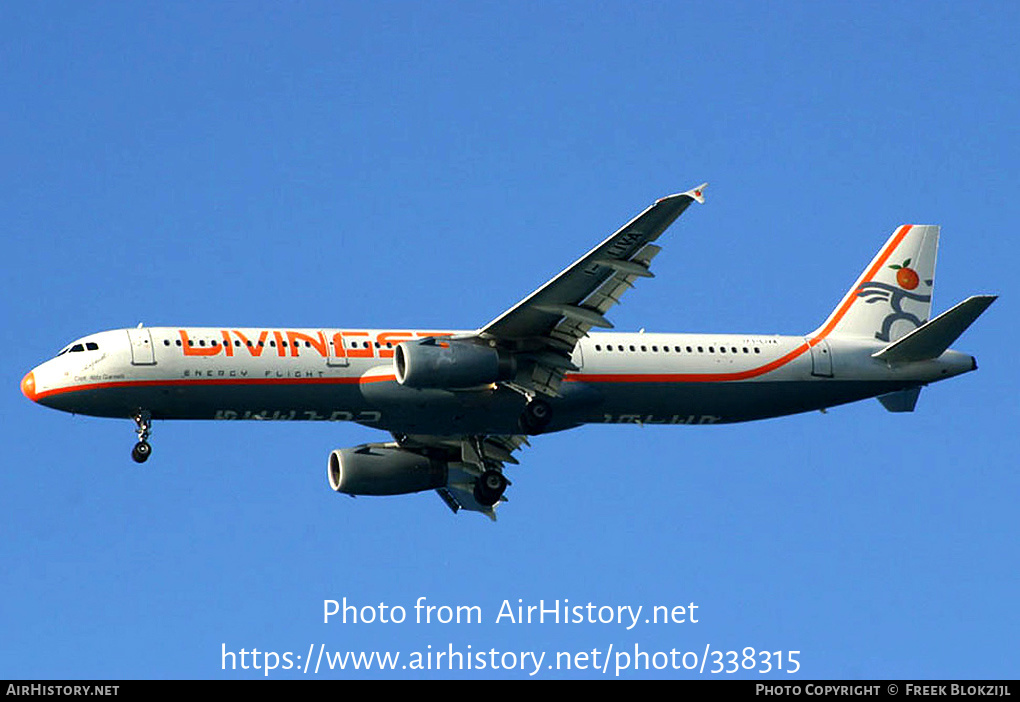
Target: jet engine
[[446, 364], [383, 469]]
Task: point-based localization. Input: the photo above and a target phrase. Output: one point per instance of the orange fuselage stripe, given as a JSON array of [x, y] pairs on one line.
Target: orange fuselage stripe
[[214, 381]]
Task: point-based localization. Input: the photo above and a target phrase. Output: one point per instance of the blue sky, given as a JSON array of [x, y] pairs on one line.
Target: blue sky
[[427, 165]]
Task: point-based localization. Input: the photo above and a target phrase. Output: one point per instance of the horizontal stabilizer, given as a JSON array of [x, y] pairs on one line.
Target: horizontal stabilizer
[[902, 401], [931, 339]]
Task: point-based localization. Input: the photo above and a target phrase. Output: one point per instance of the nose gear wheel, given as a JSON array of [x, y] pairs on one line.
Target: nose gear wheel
[[142, 450]]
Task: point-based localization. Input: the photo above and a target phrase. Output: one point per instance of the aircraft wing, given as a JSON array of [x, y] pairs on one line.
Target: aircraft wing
[[541, 332], [544, 327]]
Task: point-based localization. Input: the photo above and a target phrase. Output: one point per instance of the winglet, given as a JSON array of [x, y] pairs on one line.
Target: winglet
[[697, 193]]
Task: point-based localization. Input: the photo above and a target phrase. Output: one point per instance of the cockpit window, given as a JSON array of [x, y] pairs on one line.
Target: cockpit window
[[87, 346]]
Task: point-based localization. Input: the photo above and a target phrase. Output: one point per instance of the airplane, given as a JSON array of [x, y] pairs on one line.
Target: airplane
[[459, 403]]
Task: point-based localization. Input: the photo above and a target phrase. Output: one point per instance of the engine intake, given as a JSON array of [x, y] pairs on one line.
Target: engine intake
[[383, 469], [442, 364]]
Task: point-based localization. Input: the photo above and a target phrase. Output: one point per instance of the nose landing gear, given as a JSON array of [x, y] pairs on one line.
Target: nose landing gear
[[142, 450]]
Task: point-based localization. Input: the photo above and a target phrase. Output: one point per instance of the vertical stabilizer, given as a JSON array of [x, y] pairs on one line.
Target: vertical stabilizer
[[893, 295]]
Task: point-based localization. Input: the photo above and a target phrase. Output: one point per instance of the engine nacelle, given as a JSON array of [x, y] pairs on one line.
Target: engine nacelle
[[443, 364], [383, 469]]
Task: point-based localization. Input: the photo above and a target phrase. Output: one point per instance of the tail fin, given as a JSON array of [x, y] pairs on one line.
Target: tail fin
[[893, 295]]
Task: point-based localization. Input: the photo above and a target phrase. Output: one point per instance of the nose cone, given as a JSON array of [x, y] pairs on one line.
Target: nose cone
[[28, 386]]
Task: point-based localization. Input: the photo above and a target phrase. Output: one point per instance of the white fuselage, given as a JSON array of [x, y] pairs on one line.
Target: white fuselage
[[348, 375]]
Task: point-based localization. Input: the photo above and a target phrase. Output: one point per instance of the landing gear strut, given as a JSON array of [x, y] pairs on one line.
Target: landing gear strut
[[536, 416], [142, 450]]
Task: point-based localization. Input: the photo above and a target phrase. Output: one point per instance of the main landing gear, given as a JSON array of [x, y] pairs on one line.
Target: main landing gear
[[536, 416], [142, 450], [489, 487], [491, 484]]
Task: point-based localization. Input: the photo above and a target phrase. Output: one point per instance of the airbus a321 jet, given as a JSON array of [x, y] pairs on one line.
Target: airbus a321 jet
[[460, 403]]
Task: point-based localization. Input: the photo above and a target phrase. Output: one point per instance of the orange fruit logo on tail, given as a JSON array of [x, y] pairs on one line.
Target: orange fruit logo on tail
[[906, 277]]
